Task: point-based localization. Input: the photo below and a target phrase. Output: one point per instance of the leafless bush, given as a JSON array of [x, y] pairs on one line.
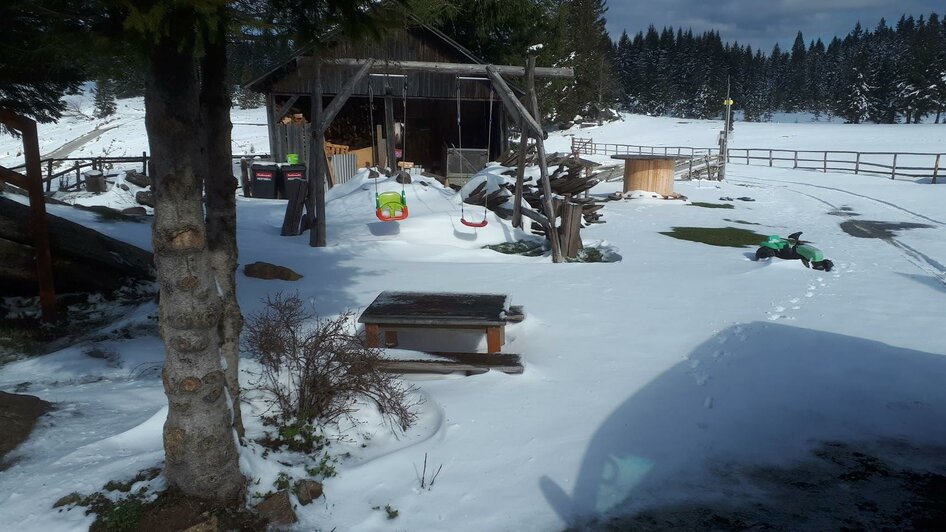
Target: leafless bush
[[316, 370]]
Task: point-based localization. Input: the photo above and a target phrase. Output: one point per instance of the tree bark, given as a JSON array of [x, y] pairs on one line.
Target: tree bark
[[201, 456], [220, 185]]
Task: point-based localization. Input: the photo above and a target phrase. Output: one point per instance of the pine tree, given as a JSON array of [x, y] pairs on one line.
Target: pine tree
[[104, 94], [587, 43]]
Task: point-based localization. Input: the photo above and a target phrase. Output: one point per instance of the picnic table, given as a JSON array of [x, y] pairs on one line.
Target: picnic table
[[391, 311]]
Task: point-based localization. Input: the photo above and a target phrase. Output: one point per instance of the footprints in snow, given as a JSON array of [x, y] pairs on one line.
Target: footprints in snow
[[783, 310]]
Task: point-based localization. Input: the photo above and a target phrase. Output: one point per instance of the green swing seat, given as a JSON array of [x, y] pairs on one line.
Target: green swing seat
[[391, 206]]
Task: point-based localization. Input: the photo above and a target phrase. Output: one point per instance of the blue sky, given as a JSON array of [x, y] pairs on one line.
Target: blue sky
[[760, 22]]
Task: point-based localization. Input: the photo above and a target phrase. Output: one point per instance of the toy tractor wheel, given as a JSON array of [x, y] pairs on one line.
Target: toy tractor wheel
[[825, 265], [764, 253]]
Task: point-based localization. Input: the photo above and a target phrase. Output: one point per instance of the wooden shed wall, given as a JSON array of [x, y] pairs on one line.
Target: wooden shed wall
[[415, 44]]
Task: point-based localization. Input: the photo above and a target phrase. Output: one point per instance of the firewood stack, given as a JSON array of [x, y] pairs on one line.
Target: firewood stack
[[566, 181]]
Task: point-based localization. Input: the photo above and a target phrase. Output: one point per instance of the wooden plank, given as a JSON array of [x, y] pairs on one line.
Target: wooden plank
[[471, 362], [372, 335], [495, 338], [285, 108], [400, 67]]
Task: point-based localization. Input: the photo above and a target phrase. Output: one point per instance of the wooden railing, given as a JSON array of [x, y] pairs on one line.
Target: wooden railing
[[68, 170], [907, 165]]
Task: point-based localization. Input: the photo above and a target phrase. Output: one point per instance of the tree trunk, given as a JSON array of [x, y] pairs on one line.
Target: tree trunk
[[220, 187], [201, 456]]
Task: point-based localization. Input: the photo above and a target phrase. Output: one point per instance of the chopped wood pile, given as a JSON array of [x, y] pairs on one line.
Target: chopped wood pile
[[568, 180]]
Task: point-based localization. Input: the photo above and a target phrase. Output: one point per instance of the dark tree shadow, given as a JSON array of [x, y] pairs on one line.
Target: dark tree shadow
[[754, 394]]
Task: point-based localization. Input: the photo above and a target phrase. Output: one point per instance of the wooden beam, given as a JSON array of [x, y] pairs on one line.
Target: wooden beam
[[285, 108], [512, 103], [14, 178], [339, 100], [400, 67]]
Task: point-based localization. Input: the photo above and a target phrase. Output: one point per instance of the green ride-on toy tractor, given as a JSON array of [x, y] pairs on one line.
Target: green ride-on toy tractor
[[792, 248]]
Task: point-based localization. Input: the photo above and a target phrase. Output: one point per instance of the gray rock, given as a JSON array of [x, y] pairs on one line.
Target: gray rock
[[145, 197], [265, 270], [308, 491], [134, 211], [137, 179]]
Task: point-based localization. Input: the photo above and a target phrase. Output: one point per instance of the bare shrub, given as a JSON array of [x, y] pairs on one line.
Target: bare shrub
[[315, 370]]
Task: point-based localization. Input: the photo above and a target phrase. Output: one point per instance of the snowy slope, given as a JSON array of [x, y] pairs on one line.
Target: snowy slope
[[644, 378]]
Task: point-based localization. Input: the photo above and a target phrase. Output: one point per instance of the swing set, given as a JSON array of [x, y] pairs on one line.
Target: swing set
[[392, 206]]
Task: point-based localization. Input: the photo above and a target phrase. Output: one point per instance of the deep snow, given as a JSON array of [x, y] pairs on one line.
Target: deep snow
[[643, 378]]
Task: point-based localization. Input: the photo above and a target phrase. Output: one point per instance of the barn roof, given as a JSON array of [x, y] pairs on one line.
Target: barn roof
[[263, 83]]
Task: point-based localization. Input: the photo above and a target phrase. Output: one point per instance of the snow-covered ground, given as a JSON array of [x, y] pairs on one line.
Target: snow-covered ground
[[645, 379]]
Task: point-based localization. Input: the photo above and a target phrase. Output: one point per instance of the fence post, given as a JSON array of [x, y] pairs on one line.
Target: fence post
[[825, 162], [78, 175], [770, 157], [747, 155], [893, 169], [935, 169], [857, 163], [690, 171], [144, 163], [49, 175], [796, 160]]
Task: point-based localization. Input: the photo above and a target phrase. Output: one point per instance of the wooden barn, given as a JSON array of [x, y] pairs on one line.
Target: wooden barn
[[420, 107]]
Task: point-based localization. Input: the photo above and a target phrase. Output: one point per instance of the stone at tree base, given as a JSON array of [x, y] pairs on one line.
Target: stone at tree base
[[124, 187], [18, 415], [134, 211], [403, 177], [307, 491], [145, 197], [137, 179], [277, 508], [265, 270]]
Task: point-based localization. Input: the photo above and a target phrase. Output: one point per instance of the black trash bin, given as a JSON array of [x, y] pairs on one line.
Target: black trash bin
[[293, 178], [265, 176]]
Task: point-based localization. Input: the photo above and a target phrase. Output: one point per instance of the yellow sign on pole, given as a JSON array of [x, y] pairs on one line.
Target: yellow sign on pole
[[728, 101]]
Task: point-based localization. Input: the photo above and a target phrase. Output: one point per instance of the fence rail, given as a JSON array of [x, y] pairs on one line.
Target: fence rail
[[66, 168], [907, 165]]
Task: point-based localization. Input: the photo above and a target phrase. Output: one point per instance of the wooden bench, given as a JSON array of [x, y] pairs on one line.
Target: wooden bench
[[393, 311]]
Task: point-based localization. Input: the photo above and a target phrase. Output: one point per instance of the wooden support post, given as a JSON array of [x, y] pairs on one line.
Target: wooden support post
[[389, 128], [316, 200], [372, 335], [509, 99], [825, 162], [271, 128], [935, 169], [495, 338], [523, 147], [520, 175], [571, 230], [49, 175], [770, 157], [245, 178], [857, 163], [144, 163], [796, 160], [893, 169]]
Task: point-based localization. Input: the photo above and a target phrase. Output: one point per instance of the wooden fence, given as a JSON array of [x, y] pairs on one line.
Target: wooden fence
[[906, 165], [69, 170]]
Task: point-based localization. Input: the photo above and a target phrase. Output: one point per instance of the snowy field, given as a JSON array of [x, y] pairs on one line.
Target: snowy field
[[646, 381]]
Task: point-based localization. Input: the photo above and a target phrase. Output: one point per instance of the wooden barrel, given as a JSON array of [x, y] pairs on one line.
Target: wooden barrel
[[650, 174]]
